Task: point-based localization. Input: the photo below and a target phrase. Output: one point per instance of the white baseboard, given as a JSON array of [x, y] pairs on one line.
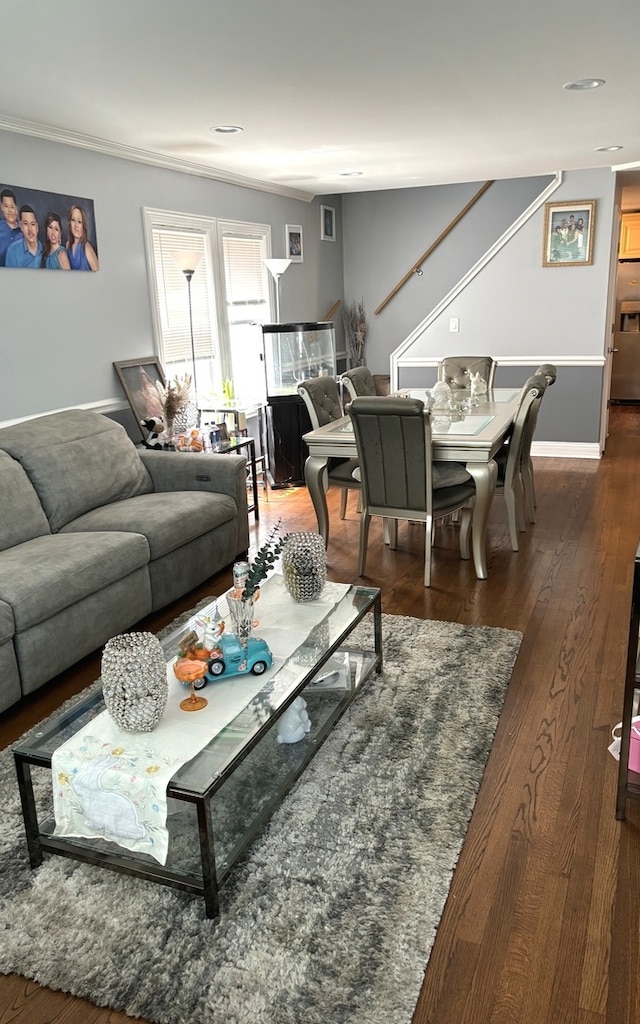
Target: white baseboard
[[565, 450]]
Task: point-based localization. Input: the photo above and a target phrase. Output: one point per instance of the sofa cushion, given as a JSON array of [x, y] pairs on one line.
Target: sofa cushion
[[43, 576], [21, 514], [77, 460], [167, 519]]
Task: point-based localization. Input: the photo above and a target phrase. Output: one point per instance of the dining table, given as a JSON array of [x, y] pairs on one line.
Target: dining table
[[472, 437]]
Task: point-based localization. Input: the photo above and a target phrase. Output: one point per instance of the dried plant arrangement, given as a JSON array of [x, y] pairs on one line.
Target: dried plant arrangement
[[355, 329], [174, 396]]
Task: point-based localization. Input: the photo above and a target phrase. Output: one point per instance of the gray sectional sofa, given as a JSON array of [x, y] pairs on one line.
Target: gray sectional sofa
[[96, 533]]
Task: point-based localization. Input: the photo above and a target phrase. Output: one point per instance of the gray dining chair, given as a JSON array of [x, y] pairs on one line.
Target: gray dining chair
[[549, 372], [400, 480], [321, 397], [359, 382], [456, 370], [510, 456]]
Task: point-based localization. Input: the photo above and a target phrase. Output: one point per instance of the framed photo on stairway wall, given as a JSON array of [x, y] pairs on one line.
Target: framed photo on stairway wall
[[568, 233]]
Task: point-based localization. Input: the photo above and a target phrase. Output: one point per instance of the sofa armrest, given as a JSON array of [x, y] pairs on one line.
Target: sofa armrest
[[199, 471]]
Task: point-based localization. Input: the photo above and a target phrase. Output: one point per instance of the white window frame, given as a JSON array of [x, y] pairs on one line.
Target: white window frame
[[212, 230]]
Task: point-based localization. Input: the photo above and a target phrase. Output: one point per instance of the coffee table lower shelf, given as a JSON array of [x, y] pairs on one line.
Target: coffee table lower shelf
[[210, 830]]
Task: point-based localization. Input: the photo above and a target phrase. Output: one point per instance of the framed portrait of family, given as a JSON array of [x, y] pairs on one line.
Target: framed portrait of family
[[46, 230], [568, 233]]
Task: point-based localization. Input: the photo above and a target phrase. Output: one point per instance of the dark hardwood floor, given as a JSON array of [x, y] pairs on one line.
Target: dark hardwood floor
[[543, 918]]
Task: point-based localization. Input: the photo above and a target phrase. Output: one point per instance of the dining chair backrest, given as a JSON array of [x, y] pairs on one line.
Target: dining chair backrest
[[320, 395], [549, 371], [393, 437], [359, 382], [529, 400], [510, 458], [456, 370]]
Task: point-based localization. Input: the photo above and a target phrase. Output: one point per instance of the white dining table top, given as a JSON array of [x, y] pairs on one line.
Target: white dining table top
[[463, 437]]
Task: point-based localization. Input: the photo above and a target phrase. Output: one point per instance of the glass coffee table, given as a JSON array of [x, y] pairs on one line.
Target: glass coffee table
[[222, 798]]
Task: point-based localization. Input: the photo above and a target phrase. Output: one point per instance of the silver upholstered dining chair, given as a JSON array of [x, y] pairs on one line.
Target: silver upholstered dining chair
[[400, 480], [549, 372], [456, 370], [320, 395], [359, 382], [509, 457]]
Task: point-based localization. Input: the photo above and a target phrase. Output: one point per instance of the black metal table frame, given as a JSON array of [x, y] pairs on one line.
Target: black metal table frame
[[39, 842]]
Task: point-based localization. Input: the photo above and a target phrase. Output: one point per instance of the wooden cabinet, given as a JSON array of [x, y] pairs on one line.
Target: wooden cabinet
[[630, 237]]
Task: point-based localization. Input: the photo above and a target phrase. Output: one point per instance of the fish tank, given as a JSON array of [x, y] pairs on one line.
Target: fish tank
[[296, 352]]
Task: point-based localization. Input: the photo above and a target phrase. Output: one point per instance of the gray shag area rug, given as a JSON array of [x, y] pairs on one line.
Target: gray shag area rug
[[331, 917]]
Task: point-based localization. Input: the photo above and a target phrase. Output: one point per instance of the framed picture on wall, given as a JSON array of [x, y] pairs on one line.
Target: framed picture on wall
[[138, 378], [327, 223], [293, 242], [568, 233]]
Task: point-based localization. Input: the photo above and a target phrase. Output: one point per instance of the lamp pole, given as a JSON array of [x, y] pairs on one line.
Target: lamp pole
[[189, 274]]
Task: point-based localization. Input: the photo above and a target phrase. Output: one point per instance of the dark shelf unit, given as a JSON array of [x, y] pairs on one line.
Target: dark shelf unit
[[628, 781]]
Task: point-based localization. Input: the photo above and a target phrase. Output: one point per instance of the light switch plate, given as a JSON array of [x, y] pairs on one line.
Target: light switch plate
[[454, 324]]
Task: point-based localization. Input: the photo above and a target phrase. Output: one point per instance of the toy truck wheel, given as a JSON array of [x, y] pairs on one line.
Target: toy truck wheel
[[200, 683], [259, 668], [216, 668]]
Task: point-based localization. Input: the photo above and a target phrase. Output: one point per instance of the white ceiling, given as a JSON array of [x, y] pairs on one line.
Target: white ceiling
[[409, 92]]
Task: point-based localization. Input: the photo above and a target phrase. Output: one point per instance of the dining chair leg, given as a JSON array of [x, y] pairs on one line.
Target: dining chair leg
[[512, 516], [427, 550], [465, 532], [393, 532], [364, 539], [529, 491], [343, 503]]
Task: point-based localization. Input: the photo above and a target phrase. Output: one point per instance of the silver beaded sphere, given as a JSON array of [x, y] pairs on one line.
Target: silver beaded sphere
[[134, 681], [304, 565]]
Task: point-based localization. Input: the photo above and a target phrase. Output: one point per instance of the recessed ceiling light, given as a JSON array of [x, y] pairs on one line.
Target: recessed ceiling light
[[607, 149], [350, 174], [227, 129], [584, 83]]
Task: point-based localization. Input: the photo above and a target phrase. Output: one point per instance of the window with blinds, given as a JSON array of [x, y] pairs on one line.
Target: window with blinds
[[224, 305], [244, 248]]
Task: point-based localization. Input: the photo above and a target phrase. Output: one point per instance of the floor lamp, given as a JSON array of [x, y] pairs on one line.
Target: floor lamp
[[277, 268], [188, 261]]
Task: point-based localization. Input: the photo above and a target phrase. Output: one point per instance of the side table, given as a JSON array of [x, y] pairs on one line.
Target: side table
[[231, 447]]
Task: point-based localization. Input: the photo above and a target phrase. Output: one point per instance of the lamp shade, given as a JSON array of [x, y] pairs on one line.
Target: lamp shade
[[187, 259], [276, 267]]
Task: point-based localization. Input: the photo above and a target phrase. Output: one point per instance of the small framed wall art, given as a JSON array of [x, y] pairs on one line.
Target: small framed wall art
[[327, 223], [293, 242], [568, 233]]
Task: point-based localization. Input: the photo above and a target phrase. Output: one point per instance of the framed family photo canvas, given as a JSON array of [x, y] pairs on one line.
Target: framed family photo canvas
[[568, 233], [293, 242], [327, 223]]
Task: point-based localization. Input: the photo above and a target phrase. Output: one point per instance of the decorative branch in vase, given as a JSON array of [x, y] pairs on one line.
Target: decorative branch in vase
[[264, 561], [356, 329], [174, 396]]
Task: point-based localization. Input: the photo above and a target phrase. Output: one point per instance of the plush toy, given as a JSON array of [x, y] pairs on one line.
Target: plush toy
[[157, 436]]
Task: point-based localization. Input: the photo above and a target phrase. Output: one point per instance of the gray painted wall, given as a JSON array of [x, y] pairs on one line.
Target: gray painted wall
[[516, 310], [60, 333]]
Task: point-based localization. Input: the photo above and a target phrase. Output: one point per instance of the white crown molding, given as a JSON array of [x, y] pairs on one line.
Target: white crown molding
[[143, 156]]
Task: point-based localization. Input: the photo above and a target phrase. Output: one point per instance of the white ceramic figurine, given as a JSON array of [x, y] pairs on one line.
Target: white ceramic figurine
[[294, 723]]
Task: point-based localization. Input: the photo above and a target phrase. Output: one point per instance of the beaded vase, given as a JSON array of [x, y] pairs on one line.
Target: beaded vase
[[304, 565], [134, 681]]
